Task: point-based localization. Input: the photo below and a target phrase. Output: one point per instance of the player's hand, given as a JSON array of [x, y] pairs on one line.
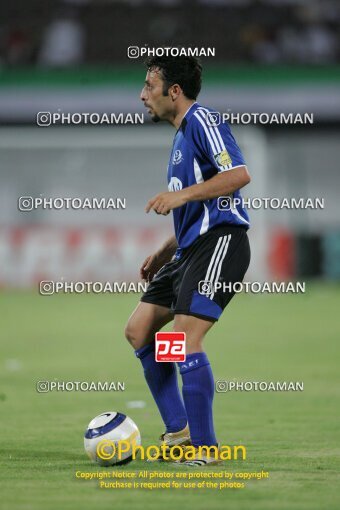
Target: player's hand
[[163, 203], [151, 266]]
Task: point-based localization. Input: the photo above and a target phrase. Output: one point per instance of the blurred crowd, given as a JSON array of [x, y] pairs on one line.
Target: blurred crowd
[[64, 33]]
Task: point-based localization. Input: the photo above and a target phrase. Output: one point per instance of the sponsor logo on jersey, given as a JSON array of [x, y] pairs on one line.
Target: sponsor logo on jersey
[[177, 157], [175, 184], [223, 158]]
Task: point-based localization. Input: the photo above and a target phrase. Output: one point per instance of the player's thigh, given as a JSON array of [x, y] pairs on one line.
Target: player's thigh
[[195, 330], [144, 322]]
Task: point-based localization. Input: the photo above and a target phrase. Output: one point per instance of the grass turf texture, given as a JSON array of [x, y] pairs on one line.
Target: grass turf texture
[[294, 436]]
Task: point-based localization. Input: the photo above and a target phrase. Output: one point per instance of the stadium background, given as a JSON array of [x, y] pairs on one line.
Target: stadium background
[[71, 56]]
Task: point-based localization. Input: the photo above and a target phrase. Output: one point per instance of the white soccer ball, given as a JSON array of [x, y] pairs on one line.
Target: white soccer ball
[[102, 437]]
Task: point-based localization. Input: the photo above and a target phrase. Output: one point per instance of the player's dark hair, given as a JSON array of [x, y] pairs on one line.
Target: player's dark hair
[[185, 71]]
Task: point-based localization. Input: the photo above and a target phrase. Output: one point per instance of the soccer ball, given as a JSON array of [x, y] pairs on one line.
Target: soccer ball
[[102, 437]]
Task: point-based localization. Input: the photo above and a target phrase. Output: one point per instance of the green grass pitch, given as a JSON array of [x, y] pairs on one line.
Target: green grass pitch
[[293, 435]]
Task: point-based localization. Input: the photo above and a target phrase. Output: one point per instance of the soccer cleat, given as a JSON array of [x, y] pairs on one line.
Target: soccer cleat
[[169, 439], [200, 458]]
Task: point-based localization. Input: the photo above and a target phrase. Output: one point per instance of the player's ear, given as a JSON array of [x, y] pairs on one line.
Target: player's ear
[[175, 91]]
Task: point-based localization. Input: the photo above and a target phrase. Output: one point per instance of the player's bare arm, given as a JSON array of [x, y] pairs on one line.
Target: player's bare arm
[[219, 185], [154, 262]]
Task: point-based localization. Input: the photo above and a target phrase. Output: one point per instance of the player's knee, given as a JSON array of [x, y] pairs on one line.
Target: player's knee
[[130, 332], [133, 335]]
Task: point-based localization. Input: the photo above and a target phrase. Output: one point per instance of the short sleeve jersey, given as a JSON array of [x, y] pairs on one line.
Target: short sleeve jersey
[[202, 148]]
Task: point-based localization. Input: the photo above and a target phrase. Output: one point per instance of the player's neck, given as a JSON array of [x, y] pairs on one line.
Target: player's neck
[[177, 118]]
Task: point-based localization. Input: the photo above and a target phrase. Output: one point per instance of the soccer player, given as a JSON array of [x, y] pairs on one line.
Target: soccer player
[[210, 246]]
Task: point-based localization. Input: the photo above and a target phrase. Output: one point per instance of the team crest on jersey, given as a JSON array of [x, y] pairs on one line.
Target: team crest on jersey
[[177, 157], [223, 159], [175, 184]]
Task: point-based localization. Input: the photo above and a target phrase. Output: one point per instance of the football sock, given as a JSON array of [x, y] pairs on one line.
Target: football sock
[[198, 393], [163, 384]]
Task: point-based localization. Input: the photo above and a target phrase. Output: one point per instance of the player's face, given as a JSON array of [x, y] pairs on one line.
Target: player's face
[[158, 105]]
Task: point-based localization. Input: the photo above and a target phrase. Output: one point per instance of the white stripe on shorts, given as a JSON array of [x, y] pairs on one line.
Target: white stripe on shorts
[[219, 267], [214, 261]]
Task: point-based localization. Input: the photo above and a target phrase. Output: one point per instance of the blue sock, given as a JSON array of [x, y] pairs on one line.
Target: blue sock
[[163, 384], [198, 393]]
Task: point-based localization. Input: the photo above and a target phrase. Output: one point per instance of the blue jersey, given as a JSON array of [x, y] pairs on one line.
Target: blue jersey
[[202, 149]]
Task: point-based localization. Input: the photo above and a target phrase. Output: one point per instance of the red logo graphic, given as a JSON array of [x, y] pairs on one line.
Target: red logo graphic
[[170, 346]]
